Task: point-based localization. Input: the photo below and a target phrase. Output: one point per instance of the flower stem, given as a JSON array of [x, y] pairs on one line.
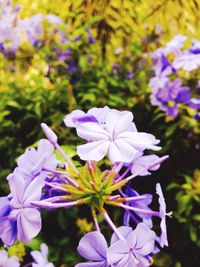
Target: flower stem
[[57, 198], [150, 212], [124, 174], [66, 158], [160, 160], [94, 215], [126, 180], [46, 204], [126, 199], [66, 176], [110, 223], [56, 186]]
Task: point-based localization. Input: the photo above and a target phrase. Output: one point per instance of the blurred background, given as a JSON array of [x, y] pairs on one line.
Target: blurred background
[[57, 56]]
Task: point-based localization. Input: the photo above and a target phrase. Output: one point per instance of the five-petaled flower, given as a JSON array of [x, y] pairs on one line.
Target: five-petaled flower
[[134, 250], [119, 138], [23, 221]]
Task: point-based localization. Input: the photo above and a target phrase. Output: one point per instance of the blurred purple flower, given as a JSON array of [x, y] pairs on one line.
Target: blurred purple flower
[[129, 75], [6, 261], [172, 47], [176, 44], [91, 39], [116, 67], [62, 56], [163, 67], [195, 47], [171, 94], [195, 103], [32, 26], [93, 247], [77, 38], [40, 258], [72, 68], [115, 70], [53, 19], [187, 61], [10, 36], [190, 59]]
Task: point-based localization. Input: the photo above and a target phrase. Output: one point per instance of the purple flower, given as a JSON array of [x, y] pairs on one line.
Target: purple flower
[[163, 238], [33, 28], [91, 39], [129, 75], [118, 138], [171, 94], [51, 136], [93, 247], [40, 258], [195, 47], [195, 103], [5, 209], [134, 250], [172, 47], [187, 61], [163, 67], [62, 56], [53, 19], [142, 204], [143, 161], [24, 220], [77, 38], [33, 161], [77, 117], [10, 37], [190, 59], [4, 206], [72, 68], [156, 83], [175, 44], [5, 261], [116, 67]]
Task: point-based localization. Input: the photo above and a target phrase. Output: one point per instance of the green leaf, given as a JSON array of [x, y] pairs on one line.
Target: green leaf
[[196, 217], [172, 186]]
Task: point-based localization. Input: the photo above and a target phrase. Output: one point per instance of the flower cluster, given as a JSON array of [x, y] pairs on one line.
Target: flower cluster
[[35, 29], [39, 258], [173, 63], [9, 31], [26, 36], [14, 30], [41, 181]]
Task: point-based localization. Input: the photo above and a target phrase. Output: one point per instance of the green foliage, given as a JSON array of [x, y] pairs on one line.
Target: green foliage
[[35, 87], [188, 201]]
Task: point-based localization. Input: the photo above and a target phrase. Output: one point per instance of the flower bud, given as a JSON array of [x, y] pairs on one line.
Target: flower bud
[[51, 136]]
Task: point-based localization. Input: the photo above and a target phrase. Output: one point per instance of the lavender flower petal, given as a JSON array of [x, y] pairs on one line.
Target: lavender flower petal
[[163, 238]]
